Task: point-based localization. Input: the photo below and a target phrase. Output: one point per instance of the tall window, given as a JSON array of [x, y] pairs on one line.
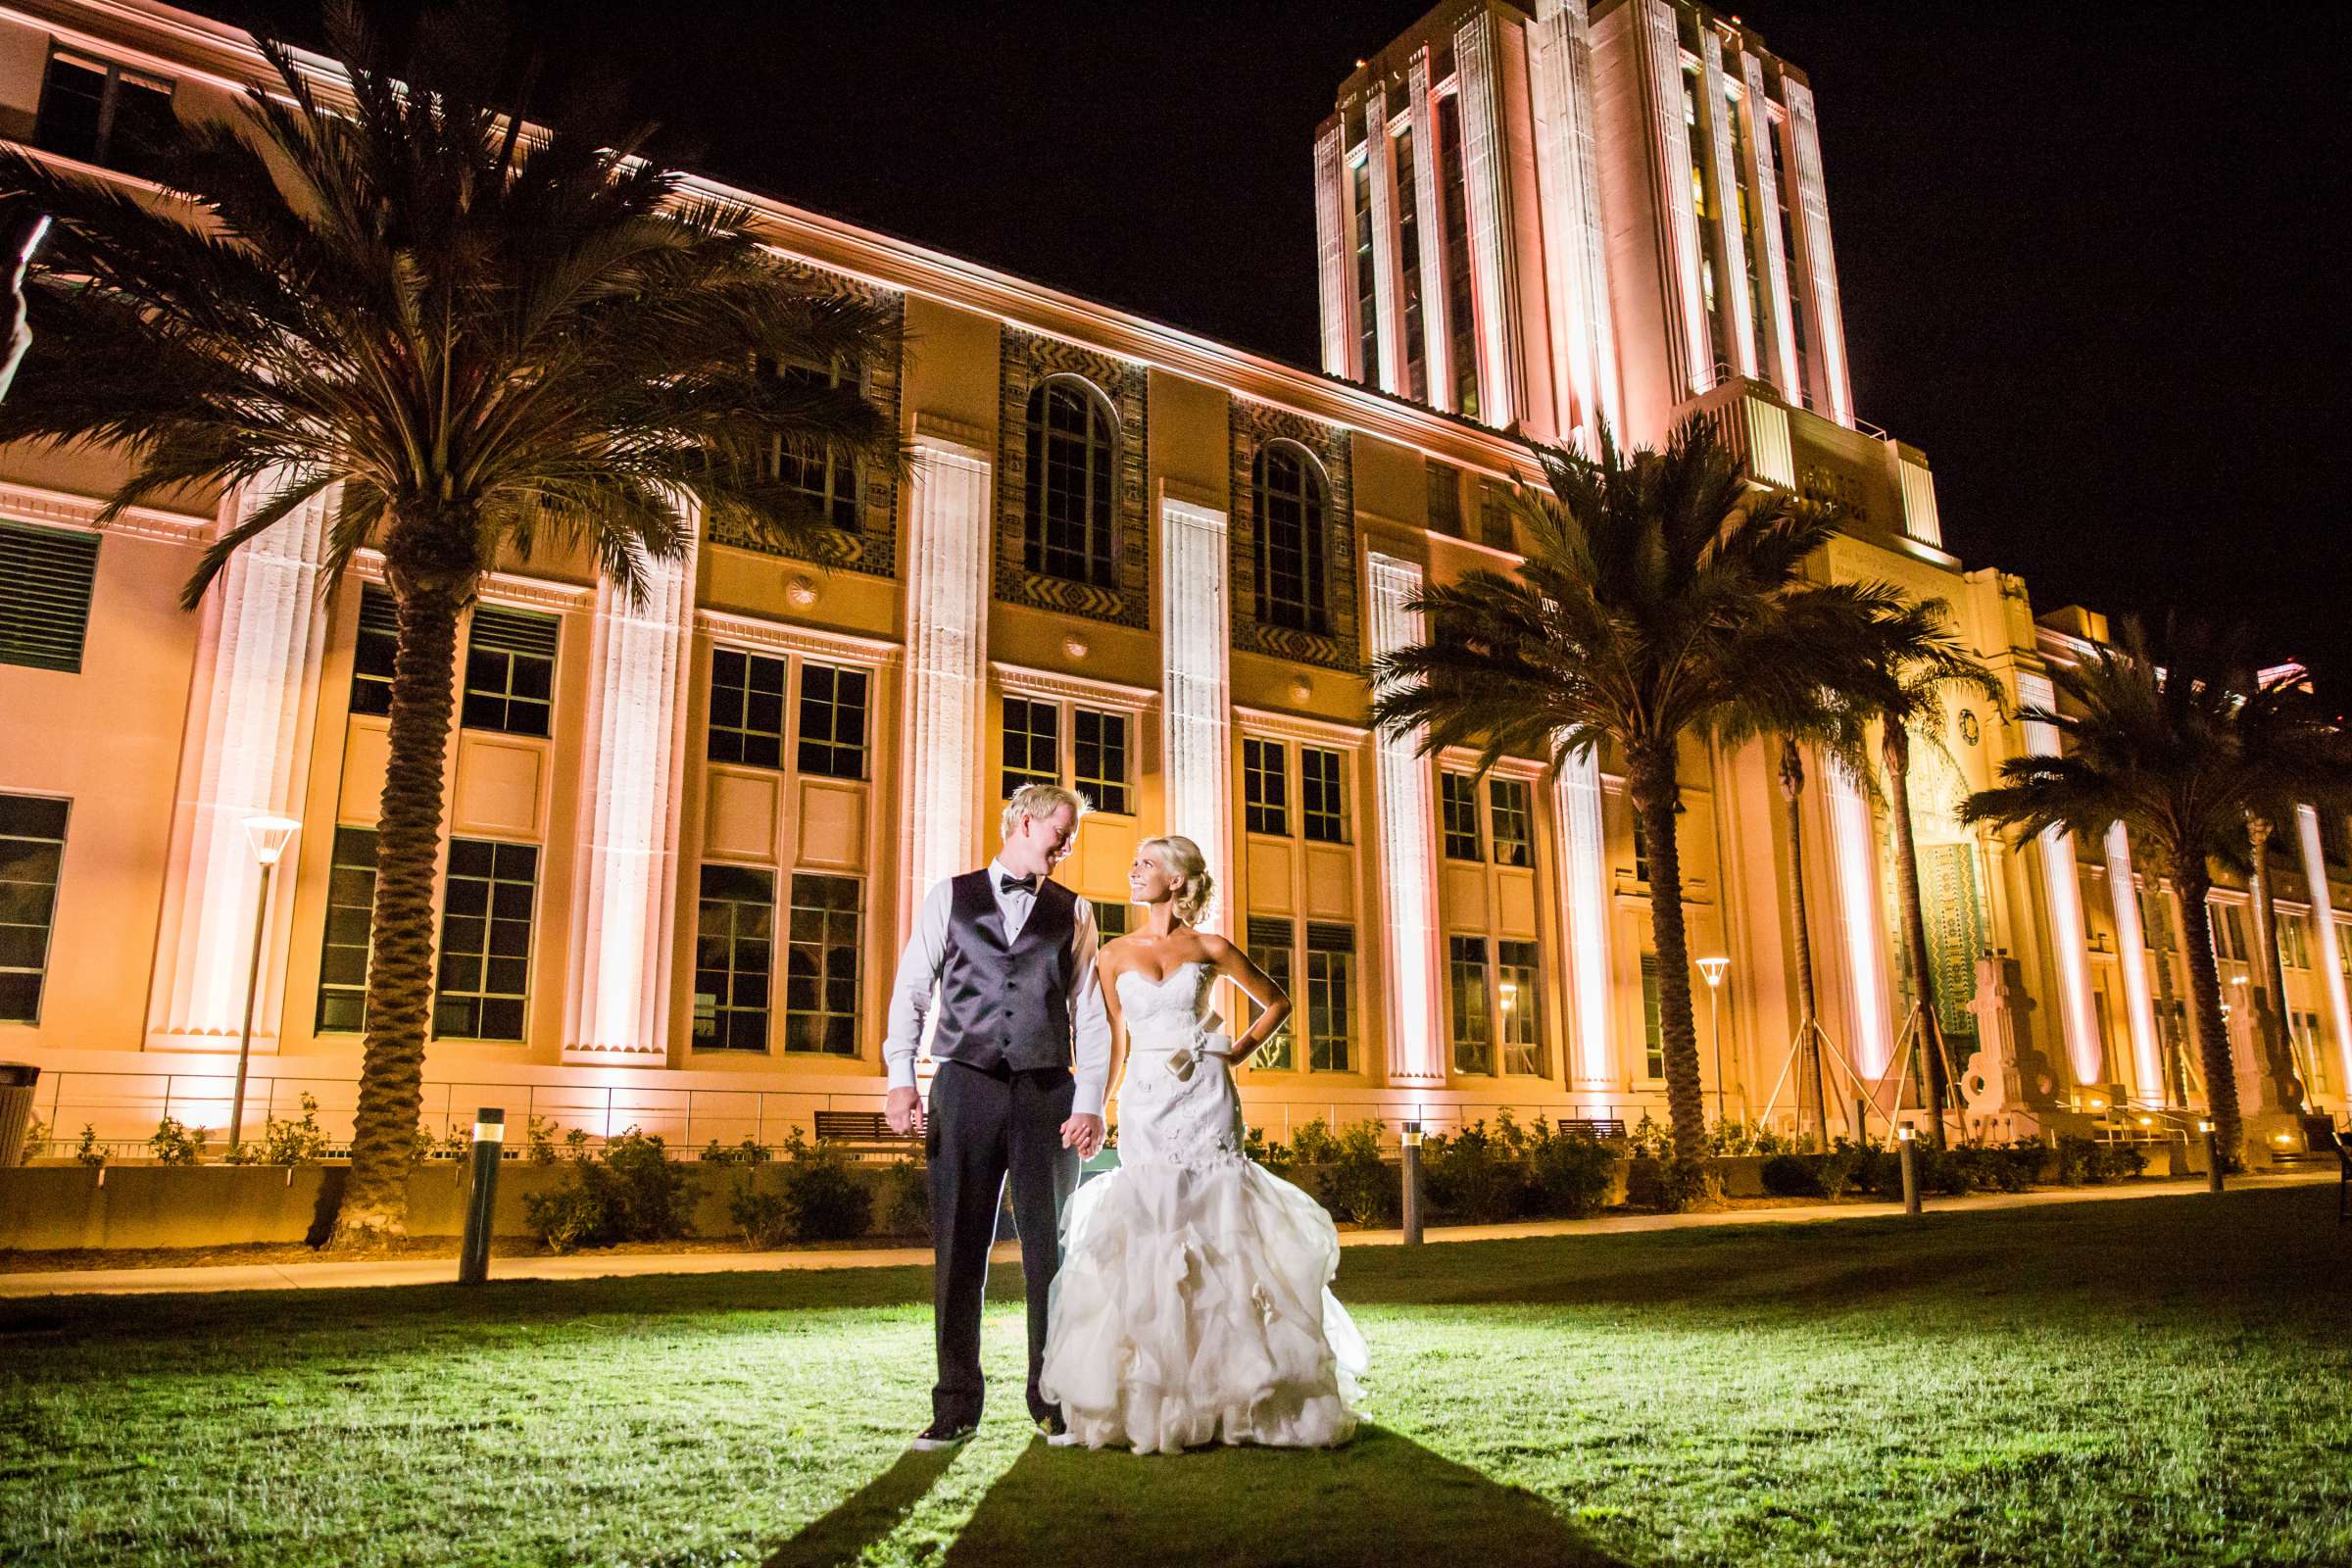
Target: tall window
[[734, 957], [1265, 787], [1330, 996], [1032, 744], [1695, 138], [1513, 818], [1099, 740], [1654, 1029], [1751, 243], [1071, 500], [350, 909], [828, 486], [1515, 970], [1367, 293], [1409, 264], [45, 579], [510, 671], [747, 709], [2155, 919], [1457, 806], [2229, 933], [832, 721], [101, 113], [374, 648], [1787, 149], [32, 852], [1461, 319], [1293, 588], [1270, 942], [1322, 795], [821, 978], [1473, 1028], [1445, 498], [485, 976], [2294, 953], [1640, 849]]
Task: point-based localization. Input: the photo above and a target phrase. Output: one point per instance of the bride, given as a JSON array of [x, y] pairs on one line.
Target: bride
[[1193, 1304]]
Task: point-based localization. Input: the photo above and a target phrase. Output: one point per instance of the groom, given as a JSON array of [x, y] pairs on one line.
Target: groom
[[1011, 958]]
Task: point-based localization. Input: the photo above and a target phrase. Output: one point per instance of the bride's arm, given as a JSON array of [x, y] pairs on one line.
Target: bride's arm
[[1107, 974], [1273, 1002]]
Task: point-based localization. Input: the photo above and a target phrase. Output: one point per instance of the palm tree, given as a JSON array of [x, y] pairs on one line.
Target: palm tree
[[1659, 592], [485, 338], [1920, 664], [2178, 740]]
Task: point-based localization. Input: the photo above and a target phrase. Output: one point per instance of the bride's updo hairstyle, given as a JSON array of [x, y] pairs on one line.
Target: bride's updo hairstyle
[[1182, 859]]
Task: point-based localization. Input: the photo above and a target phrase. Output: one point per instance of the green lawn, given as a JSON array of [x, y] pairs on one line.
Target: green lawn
[[2166, 1380]]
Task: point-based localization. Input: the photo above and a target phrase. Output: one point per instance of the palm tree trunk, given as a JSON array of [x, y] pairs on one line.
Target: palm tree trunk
[[1655, 796], [1898, 749], [2205, 995], [1800, 930], [2270, 997], [399, 954]]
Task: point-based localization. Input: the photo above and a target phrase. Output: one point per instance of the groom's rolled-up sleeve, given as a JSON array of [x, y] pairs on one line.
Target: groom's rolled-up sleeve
[[916, 984], [1089, 1024]]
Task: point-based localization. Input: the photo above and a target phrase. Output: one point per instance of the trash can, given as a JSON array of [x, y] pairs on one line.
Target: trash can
[[17, 1079]]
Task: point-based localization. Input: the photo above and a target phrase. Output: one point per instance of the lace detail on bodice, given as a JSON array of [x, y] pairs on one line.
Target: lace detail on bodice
[[1174, 1005]]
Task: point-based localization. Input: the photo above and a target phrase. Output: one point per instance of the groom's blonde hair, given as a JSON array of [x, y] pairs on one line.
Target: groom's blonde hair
[[1036, 802]]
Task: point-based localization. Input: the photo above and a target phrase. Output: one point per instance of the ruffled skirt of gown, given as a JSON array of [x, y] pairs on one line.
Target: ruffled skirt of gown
[[1194, 1306]]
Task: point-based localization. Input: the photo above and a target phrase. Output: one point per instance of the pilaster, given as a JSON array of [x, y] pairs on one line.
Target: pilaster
[[1486, 189], [2330, 955], [1407, 850], [1561, 77], [1196, 686], [946, 660], [1584, 920], [2062, 886], [1331, 255], [2122, 892]]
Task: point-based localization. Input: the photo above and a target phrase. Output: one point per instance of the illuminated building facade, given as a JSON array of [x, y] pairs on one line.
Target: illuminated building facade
[[685, 838]]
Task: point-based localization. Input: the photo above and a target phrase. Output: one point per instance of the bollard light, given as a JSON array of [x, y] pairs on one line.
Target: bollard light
[[2213, 1156], [1411, 1138], [1904, 1137], [481, 1198]]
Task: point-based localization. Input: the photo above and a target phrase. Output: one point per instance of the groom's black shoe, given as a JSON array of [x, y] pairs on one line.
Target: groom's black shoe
[[1057, 1433], [942, 1435]]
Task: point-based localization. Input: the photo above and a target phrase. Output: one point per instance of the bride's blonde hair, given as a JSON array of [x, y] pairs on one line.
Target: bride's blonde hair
[[1182, 859]]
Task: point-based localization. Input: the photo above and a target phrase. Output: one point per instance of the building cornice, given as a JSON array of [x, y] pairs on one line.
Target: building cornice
[[63, 510], [1026, 681], [792, 637]]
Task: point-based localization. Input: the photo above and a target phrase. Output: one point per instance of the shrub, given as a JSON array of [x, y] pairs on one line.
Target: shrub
[[1792, 1176], [1273, 1154], [1357, 1183], [1472, 1174], [751, 1151], [285, 1143], [1311, 1144], [36, 1140], [1569, 1172], [635, 1194], [1735, 1136], [761, 1216], [174, 1143], [88, 1151], [822, 1201], [1682, 1190], [1649, 1140], [907, 1199], [575, 1143], [539, 1141]]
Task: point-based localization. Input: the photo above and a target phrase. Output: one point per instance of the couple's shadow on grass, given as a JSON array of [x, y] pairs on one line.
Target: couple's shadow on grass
[[1381, 1499]]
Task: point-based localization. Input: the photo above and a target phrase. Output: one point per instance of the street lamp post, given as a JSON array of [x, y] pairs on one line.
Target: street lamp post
[[268, 837], [1713, 970]]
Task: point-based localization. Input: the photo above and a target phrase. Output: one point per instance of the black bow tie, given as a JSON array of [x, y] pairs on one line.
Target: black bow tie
[[1027, 884]]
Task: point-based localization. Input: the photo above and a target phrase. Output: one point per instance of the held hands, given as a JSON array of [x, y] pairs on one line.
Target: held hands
[[1085, 1134], [903, 1111]]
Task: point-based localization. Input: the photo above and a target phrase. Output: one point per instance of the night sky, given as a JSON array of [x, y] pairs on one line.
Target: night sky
[[2080, 247]]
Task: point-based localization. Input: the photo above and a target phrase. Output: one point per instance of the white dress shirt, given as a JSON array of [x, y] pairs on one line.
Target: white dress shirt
[[917, 988]]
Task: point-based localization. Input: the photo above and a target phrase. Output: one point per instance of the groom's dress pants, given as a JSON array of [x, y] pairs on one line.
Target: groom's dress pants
[[987, 1125]]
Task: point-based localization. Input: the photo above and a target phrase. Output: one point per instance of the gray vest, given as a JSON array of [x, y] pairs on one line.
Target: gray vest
[[1005, 1005]]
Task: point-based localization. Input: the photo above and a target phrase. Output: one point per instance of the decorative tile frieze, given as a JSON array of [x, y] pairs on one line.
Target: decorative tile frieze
[[1339, 645], [1027, 359]]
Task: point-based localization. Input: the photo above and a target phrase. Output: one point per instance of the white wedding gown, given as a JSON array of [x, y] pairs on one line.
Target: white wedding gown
[[1193, 1302]]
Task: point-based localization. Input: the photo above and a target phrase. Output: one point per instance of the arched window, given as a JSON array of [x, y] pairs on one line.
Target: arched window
[[1291, 500], [1071, 507]]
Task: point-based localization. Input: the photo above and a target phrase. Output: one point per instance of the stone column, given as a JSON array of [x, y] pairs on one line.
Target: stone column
[[1437, 347], [1584, 920], [1776, 338], [1576, 270], [1487, 203], [1658, 52], [1725, 167], [1331, 257], [2147, 1049], [1196, 686], [632, 792], [1409, 851], [1810, 212], [1380, 155], [245, 751], [2063, 888], [1861, 919], [949, 535], [2330, 953]]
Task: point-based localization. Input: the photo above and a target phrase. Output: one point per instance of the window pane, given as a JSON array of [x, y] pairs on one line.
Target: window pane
[[350, 912], [1516, 969], [821, 965], [832, 721], [1473, 1036], [1265, 787], [1653, 1034], [73, 103], [32, 843], [1289, 502], [373, 649], [1457, 800], [1032, 744], [510, 671], [733, 952], [1330, 996], [1514, 844], [1322, 799], [1069, 500], [479, 999], [1098, 743], [1270, 943]]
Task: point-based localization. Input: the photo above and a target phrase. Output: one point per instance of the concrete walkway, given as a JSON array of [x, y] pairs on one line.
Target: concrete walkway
[[587, 1266]]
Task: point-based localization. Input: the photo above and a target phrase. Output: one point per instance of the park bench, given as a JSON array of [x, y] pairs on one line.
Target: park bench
[[870, 1127], [1601, 1127]]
